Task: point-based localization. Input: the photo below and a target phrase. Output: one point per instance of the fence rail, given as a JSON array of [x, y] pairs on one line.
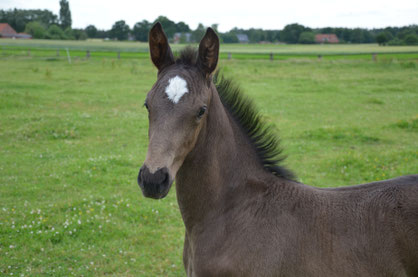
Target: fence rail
[[56, 53]]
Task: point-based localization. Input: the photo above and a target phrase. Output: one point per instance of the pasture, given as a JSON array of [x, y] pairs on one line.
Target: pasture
[[74, 135]]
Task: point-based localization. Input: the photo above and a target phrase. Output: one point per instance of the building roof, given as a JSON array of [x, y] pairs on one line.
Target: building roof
[[326, 38], [6, 30], [242, 38]]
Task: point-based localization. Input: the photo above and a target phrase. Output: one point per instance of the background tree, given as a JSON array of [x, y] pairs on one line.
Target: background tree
[[103, 33], [390, 31], [182, 27], [357, 36], [120, 30], [291, 32], [307, 38], [198, 33], [141, 30], [55, 32], [345, 35], [255, 35], [229, 37], [404, 32], [168, 26], [91, 31], [36, 29], [272, 35], [396, 42], [65, 14], [382, 39], [69, 34], [215, 27], [327, 30], [18, 19], [411, 39], [369, 37], [79, 34]]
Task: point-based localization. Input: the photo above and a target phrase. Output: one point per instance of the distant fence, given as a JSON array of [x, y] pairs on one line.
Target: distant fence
[[58, 53], [62, 53]]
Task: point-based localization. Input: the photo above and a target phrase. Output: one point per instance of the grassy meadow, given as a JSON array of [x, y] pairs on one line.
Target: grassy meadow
[[73, 136]]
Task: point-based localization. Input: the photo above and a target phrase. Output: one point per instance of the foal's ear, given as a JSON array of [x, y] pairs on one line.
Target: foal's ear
[[160, 51], [208, 52]]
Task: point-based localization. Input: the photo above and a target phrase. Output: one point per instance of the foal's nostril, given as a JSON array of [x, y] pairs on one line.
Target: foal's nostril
[[166, 176], [139, 176]]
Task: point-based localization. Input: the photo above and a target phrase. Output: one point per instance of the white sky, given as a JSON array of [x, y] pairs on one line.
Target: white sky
[[264, 14]]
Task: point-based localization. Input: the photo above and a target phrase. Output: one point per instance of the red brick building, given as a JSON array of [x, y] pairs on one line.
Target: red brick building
[[6, 31], [326, 38]]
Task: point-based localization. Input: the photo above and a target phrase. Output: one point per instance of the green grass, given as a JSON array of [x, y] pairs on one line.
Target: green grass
[[73, 137]]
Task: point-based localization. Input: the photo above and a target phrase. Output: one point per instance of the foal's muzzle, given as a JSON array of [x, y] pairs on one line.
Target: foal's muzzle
[[154, 185]]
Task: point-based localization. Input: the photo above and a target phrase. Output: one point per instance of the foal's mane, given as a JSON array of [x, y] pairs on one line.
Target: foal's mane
[[244, 112]]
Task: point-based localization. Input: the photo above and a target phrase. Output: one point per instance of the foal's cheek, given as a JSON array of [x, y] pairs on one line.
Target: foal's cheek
[[191, 138], [189, 141]]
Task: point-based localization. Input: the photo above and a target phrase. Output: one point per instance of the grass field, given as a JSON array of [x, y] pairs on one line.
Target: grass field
[[73, 137]]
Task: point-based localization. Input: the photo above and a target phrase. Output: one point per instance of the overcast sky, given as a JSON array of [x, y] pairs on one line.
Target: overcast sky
[[228, 14]]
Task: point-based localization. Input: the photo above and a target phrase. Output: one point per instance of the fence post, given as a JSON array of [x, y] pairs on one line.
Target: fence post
[[271, 57], [68, 55], [374, 57], [88, 54], [229, 56], [58, 52], [320, 57], [118, 55], [29, 52]]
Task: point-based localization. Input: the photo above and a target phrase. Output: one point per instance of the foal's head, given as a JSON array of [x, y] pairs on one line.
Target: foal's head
[[178, 105]]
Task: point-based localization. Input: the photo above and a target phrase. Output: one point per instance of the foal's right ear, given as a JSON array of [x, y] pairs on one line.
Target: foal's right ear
[[208, 52], [160, 51]]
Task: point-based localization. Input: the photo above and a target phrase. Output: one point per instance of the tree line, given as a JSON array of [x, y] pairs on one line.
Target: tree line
[[46, 25]]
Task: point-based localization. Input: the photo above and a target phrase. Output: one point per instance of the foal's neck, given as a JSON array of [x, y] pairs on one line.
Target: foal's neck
[[222, 161]]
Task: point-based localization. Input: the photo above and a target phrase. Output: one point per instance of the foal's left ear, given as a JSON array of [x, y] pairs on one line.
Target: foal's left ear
[[208, 52]]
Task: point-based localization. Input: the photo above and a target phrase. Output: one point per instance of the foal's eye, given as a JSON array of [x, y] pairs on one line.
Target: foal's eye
[[201, 111]]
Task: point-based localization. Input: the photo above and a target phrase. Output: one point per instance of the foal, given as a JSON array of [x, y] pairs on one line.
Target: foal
[[244, 214]]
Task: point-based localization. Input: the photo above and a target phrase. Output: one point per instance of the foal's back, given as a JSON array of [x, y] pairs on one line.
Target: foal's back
[[363, 230], [366, 230], [299, 230]]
